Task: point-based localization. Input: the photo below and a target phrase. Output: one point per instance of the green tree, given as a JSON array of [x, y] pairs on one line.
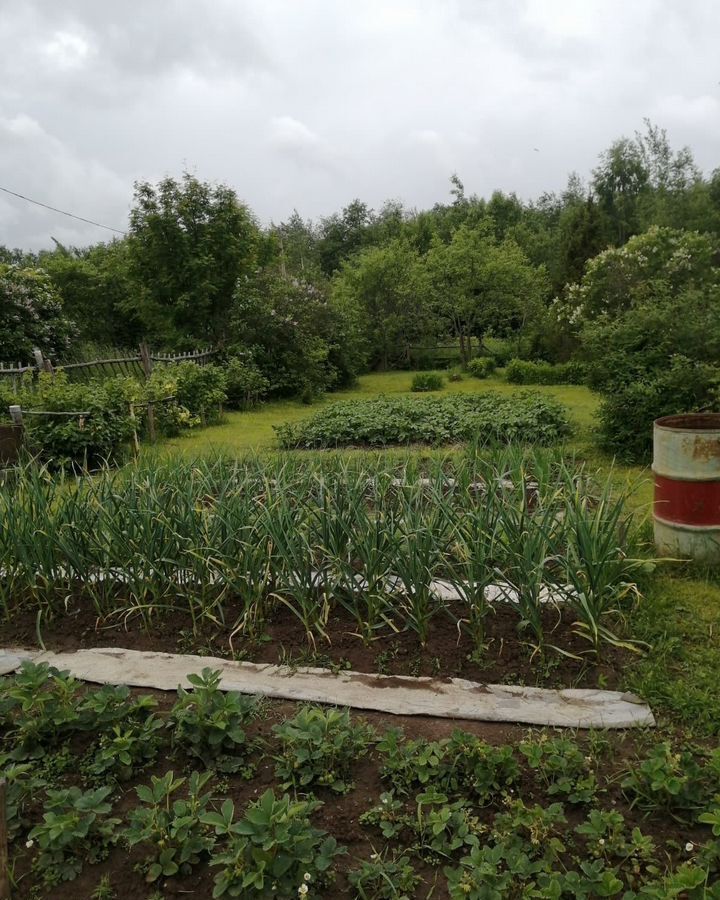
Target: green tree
[[344, 234], [620, 182], [387, 285], [31, 315], [302, 342], [190, 241], [97, 291], [480, 286]]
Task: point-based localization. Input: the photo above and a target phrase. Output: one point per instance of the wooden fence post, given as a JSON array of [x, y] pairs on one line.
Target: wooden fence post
[[4, 859], [145, 359], [147, 366], [16, 415]]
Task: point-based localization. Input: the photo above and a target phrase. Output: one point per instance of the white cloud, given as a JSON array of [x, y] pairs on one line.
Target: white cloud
[[310, 104], [67, 50]]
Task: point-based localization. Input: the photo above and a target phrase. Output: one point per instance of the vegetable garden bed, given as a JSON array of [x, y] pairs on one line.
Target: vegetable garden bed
[[433, 808], [488, 419]]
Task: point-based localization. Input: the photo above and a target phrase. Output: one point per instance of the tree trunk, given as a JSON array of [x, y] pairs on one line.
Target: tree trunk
[[463, 352]]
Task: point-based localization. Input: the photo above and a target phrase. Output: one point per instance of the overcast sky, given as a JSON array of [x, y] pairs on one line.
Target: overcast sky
[[309, 103]]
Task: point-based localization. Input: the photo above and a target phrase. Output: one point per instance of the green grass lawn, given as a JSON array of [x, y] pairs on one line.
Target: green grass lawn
[[680, 613], [254, 430]]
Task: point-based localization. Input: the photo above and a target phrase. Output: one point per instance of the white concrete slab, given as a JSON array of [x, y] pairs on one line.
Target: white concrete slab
[[453, 698]]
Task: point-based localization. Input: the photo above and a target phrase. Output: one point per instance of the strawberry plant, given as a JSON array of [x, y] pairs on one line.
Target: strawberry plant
[[122, 751], [390, 816], [561, 767], [75, 829], [384, 877], [41, 705], [208, 723], [23, 784], [172, 830], [273, 851], [670, 781], [318, 747]]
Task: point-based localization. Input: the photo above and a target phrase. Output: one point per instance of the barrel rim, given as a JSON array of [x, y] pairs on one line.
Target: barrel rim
[[688, 422]]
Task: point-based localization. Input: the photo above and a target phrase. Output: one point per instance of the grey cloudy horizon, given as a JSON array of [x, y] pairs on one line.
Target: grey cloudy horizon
[[308, 105]]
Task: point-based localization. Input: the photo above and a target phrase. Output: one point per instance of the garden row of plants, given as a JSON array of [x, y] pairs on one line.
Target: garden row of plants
[[234, 542], [183, 395], [481, 418], [547, 816]]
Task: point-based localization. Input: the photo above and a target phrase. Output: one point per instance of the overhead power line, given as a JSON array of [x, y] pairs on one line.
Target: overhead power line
[[62, 211]]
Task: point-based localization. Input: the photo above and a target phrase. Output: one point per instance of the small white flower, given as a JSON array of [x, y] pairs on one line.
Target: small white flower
[[689, 847], [307, 876], [302, 890], [602, 842], [29, 844]]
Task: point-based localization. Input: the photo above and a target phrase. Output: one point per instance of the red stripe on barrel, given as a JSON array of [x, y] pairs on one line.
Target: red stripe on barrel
[[687, 502]]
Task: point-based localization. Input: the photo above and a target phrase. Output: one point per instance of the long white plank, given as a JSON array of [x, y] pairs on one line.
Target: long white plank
[[453, 698]]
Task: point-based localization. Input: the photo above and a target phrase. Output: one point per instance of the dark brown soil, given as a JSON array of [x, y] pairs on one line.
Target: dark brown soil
[[508, 656]]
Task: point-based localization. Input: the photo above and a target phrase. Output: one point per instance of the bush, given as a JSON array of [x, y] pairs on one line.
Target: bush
[[246, 384], [201, 389], [77, 440], [481, 366], [627, 413], [521, 371], [527, 418], [424, 382]]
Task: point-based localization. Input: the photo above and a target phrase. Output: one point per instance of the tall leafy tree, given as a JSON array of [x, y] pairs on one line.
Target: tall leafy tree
[[97, 291], [479, 286], [385, 283], [190, 241]]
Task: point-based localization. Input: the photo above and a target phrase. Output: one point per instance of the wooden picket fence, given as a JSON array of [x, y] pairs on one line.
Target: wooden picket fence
[[124, 363], [138, 364]]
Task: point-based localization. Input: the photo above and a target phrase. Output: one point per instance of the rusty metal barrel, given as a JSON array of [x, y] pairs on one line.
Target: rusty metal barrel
[[686, 466]]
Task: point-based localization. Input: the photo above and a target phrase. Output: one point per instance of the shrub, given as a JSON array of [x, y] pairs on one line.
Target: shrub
[[77, 440], [246, 384], [627, 413], [201, 389], [31, 315], [424, 382], [487, 418], [503, 350], [481, 366], [521, 371]]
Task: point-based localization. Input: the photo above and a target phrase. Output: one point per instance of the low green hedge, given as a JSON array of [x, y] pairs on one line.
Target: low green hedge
[[523, 371], [489, 418]]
